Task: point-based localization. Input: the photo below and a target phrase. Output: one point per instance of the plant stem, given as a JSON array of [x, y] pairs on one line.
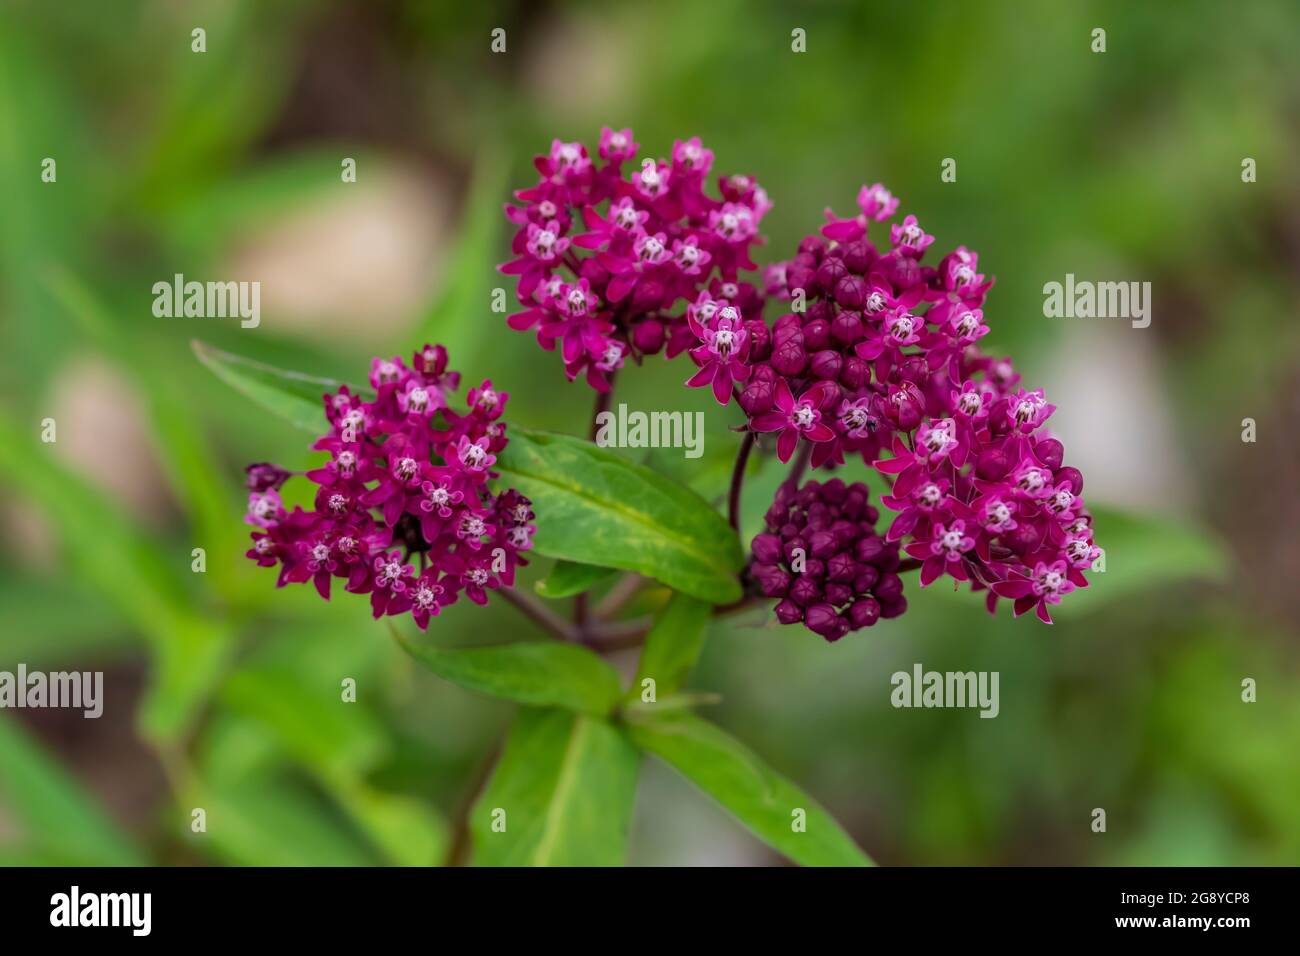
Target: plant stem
[[541, 615], [738, 479], [617, 597], [603, 400], [618, 635], [458, 852]]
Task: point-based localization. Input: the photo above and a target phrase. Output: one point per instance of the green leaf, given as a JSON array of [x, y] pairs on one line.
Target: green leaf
[[593, 506], [405, 830], [760, 798], [51, 622], [271, 820], [673, 645], [455, 319], [293, 396], [191, 466], [598, 508], [134, 574], [1143, 552], [58, 816], [566, 784], [568, 578], [337, 743], [542, 673], [325, 735]]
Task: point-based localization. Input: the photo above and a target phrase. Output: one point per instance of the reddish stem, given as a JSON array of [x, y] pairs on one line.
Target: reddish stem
[[738, 479]]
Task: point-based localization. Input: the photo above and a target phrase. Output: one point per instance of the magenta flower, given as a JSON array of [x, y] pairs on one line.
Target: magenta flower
[[982, 491], [942, 554], [875, 202], [722, 356], [617, 145], [1045, 586], [651, 240], [264, 508], [794, 419], [908, 238], [476, 455], [406, 482]]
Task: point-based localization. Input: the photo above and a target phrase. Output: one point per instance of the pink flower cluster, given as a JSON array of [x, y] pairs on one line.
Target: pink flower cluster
[[602, 255], [883, 358], [406, 482]]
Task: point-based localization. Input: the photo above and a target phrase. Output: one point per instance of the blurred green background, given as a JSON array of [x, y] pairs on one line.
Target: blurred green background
[[223, 693]]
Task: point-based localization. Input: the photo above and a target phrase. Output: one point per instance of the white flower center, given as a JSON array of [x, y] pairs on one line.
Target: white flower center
[[803, 416]]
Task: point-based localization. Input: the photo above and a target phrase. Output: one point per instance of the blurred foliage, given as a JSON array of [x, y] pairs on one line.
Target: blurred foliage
[[225, 694]]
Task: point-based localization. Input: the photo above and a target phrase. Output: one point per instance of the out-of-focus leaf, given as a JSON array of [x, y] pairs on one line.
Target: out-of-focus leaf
[[568, 578], [58, 817], [293, 396], [598, 508], [192, 470], [759, 797], [269, 820], [50, 621], [40, 116], [542, 673], [338, 742], [406, 831], [673, 645], [325, 734], [212, 106], [1144, 552], [460, 316], [208, 224], [564, 788], [131, 572]]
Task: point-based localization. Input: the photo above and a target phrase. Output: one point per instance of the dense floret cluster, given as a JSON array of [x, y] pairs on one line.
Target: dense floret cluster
[[405, 484], [823, 561], [878, 358], [604, 253]]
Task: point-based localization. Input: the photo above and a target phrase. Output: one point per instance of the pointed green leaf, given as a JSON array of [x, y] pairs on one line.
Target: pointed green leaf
[[596, 507], [405, 830], [568, 578], [673, 645], [561, 795], [759, 797], [51, 807], [542, 673], [132, 571], [268, 819], [293, 396]]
